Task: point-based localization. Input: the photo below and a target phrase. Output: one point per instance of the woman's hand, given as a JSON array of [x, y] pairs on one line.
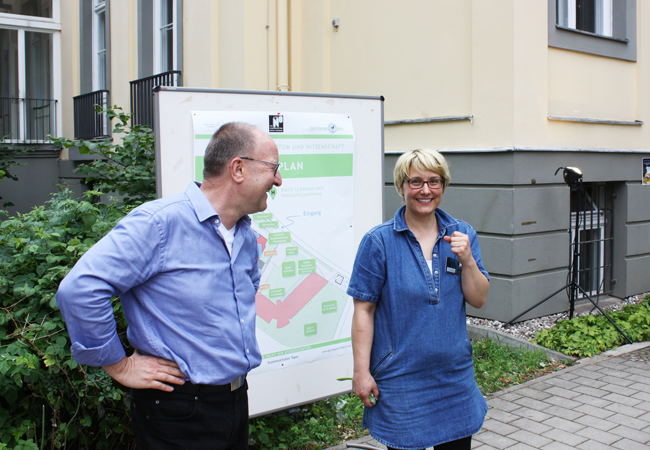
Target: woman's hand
[[363, 332], [460, 246], [473, 282], [364, 386]]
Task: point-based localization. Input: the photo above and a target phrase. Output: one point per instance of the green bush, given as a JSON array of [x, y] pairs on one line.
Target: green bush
[[326, 422], [45, 397], [589, 335], [128, 168]]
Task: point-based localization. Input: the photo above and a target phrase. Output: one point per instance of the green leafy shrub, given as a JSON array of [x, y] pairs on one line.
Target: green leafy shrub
[[128, 168], [589, 335], [326, 422], [46, 399], [44, 395]]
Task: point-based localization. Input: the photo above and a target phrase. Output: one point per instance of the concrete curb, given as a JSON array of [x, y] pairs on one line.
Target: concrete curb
[[477, 333]]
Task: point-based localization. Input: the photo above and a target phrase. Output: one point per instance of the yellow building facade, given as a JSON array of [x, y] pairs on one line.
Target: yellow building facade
[[508, 90]]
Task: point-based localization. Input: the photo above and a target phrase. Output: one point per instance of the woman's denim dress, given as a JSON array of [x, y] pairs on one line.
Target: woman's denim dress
[[421, 354]]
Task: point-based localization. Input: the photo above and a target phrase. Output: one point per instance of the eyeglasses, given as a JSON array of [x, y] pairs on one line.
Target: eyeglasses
[[436, 183], [275, 165]]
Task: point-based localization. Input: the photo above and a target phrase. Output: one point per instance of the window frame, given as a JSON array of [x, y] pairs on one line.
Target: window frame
[[100, 7], [159, 41], [621, 45], [603, 16], [23, 24]]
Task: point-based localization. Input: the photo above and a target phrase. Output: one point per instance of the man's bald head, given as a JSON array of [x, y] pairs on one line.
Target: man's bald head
[[229, 141]]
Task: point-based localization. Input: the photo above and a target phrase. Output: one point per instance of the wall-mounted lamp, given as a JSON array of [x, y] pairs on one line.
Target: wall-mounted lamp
[[572, 176]]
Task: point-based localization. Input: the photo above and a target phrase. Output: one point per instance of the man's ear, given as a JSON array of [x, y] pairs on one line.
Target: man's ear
[[237, 168]]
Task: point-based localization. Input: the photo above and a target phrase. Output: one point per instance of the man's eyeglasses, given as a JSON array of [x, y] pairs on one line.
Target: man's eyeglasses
[[275, 165], [436, 183]]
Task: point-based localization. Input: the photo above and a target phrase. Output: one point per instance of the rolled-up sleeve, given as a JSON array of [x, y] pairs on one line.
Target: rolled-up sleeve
[[124, 258]]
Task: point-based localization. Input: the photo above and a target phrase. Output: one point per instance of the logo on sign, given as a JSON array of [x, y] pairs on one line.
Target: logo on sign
[[332, 128], [276, 123]]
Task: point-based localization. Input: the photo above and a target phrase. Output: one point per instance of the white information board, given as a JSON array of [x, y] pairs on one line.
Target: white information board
[[331, 151]]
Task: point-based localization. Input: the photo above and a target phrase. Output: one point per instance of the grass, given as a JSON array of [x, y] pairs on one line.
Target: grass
[[497, 367], [330, 422]]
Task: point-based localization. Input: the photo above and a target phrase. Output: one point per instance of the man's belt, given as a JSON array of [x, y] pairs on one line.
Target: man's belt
[[196, 389]]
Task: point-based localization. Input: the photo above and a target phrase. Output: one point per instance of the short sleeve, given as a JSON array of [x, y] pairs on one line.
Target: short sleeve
[[369, 271]]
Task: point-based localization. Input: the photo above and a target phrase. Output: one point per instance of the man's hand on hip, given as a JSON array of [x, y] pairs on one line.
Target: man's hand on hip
[[146, 372]]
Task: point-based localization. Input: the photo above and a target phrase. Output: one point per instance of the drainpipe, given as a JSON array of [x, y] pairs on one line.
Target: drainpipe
[[283, 45]]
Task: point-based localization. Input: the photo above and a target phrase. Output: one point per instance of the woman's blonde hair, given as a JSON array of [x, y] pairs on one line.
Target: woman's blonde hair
[[421, 159]]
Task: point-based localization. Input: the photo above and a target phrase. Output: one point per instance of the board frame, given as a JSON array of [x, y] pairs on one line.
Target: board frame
[[294, 385]]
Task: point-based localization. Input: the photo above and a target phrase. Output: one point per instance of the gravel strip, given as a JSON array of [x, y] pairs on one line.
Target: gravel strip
[[527, 329]]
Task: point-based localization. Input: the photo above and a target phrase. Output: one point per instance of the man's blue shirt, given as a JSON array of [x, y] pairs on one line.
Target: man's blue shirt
[[184, 296]]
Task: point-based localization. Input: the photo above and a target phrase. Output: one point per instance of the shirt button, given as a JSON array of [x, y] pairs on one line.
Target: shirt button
[[216, 221], [435, 256], [248, 351], [436, 272], [242, 321]]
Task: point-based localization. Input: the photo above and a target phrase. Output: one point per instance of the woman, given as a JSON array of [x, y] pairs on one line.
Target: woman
[[411, 279]]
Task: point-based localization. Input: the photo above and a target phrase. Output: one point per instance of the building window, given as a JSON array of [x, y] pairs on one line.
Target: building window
[[29, 50], [591, 215], [35, 8], [600, 27], [99, 45], [592, 16], [165, 36]]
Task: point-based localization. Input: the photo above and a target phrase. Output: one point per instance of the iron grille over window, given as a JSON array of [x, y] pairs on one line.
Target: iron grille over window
[[591, 216], [27, 120], [142, 95], [88, 124]]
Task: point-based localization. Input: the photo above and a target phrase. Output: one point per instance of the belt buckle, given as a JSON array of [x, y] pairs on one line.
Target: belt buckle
[[237, 383]]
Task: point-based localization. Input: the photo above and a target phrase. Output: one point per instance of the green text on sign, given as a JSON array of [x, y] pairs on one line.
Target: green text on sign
[[289, 269], [280, 238], [306, 266], [302, 166], [316, 165], [311, 329], [306, 263], [262, 216], [291, 251], [269, 224], [329, 307], [279, 292]]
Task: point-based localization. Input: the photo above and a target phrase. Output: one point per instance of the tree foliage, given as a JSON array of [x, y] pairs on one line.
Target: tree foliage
[[128, 168], [45, 396], [47, 400]]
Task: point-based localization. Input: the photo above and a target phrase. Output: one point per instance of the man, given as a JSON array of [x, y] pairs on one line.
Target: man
[[186, 271]]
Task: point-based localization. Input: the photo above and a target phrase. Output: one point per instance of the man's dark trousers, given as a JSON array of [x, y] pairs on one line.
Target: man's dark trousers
[[196, 417]]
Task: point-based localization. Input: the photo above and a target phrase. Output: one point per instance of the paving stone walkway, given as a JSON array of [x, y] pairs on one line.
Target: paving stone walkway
[[599, 403]]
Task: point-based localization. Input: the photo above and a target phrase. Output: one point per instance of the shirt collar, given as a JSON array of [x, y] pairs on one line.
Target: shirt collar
[[202, 206], [444, 220]]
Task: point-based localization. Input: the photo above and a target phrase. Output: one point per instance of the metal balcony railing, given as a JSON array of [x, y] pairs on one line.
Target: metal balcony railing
[[142, 95], [27, 120], [88, 124]]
